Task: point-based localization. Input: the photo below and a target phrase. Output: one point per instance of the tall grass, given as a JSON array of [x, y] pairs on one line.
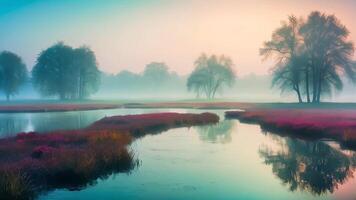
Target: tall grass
[[338, 124], [31, 163]]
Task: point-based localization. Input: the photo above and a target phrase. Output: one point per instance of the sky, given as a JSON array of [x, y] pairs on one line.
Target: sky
[[128, 34]]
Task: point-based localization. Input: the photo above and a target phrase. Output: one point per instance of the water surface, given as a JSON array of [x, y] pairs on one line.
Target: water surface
[[230, 160]]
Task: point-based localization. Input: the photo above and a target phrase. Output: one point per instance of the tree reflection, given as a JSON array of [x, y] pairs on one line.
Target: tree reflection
[[308, 166], [217, 133], [10, 125]]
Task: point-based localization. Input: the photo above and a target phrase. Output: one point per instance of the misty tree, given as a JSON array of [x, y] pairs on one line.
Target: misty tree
[[88, 75], [314, 54], [286, 46], [156, 72], [65, 72], [13, 73], [210, 75], [329, 53]]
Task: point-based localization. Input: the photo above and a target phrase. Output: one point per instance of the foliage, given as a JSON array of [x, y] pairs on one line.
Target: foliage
[[314, 54], [210, 75], [68, 73], [329, 53], [156, 72], [155, 79], [13, 73], [88, 78], [338, 124]]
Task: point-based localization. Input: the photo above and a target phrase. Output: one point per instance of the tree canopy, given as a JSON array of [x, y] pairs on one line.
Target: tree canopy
[[310, 56], [210, 75], [13, 73], [65, 72]]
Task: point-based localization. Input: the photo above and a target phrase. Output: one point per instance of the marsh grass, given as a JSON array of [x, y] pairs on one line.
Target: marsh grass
[[33, 163], [336, 124]]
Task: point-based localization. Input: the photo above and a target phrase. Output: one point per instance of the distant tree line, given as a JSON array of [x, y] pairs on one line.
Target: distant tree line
[[13, 73], [60, 71], [156, 80], [311, 56]]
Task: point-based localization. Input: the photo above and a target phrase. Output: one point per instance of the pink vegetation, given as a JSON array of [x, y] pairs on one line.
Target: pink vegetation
[[331, 123], [148, 123], [32, 162]]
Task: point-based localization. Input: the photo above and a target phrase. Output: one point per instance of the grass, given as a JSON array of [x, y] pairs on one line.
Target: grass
[[69, 105], [337, 124], [31, 163], [138, 125]]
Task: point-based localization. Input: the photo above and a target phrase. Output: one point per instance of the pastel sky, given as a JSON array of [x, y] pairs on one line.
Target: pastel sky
[[129, 34]]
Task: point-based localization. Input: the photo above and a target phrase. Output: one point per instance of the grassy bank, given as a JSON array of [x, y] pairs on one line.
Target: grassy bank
[[31, 163], [55, 106], [337, 124]]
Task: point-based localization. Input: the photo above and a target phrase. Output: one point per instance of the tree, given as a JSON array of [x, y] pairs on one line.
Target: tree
[[13, 73], [53, 72], [286, 45], [329, 53], [210, 75], [88, 75], [315, 53], [65, 72], [156, 72]]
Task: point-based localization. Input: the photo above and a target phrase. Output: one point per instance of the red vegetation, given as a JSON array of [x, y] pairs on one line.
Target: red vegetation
[[149, 123], [32, 162], [196, 105], [53, 107], [330, 123]]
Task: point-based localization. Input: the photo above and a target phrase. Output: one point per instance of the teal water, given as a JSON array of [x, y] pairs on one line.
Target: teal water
[[230, 160]]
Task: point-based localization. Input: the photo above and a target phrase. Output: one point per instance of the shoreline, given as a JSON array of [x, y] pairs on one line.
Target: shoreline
[[38, 107], [33, 163], [337, 125], [60, 107]]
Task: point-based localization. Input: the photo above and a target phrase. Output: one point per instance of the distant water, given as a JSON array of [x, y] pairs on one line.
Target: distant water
[[230, 160], [13, 123]]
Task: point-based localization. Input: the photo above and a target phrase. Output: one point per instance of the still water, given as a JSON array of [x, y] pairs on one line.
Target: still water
[[230, 160]]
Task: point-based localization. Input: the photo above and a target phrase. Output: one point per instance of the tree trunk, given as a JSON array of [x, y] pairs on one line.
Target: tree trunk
[[298, 94], [314, 75], [307, 84], [297, 90], [319, 91], [321, 74]]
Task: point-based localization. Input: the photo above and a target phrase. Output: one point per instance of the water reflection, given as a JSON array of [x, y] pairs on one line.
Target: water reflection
[[217, 133], [13, 123], [314, 167]]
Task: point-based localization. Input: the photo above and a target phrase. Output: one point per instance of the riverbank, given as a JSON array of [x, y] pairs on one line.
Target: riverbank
[[336, 124], [62, 106], [54, 107], [31, 163]]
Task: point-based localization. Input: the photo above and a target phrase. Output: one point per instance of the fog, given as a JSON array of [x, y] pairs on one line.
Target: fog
[[249, 88]]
